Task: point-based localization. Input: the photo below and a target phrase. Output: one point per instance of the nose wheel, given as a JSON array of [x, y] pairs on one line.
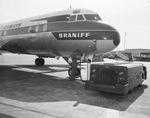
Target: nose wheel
[[39, 61], [77, 72]]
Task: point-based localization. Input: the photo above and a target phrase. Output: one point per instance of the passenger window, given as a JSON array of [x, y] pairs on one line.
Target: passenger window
[[36, 28], [44, 27], [73, 18], [30, 30], [80, 17], [4, 32], [58, 18]]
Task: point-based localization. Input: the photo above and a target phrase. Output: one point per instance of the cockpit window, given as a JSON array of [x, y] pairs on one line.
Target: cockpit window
[[80, 17], [92, 17], [83, 17], [73, 18]]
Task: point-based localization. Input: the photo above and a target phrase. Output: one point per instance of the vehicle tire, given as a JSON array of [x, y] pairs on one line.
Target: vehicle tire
[[130, 91]]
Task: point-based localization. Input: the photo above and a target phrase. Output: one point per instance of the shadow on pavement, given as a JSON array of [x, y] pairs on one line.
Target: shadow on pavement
[[37, 88], [5, 116]]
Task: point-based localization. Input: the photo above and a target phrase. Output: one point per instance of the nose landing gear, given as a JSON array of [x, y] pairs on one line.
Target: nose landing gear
[[39, 61], [77, 72]]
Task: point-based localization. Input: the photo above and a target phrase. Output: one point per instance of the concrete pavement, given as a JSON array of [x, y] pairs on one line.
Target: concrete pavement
[[27, 91]]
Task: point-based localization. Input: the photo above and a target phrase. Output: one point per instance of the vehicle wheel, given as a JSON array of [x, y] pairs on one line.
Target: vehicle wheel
[[130, 91], [139, 85]]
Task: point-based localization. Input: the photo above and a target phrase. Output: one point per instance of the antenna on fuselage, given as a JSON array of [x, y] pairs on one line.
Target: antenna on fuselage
[[70, 7]]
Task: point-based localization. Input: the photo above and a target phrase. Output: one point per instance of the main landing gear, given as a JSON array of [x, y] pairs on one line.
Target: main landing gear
[[39, 61], [73, 72]]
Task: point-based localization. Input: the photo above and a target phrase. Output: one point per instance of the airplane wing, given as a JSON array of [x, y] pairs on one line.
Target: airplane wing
[[1, 50], [4, 40]]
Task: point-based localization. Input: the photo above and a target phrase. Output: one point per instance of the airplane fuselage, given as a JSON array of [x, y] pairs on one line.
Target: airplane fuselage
[[59, 34]]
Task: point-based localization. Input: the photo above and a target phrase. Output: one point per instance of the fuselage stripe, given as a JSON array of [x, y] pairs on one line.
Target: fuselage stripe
[[57, 27]]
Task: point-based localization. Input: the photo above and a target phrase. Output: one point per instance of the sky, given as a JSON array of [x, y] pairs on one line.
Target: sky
[[130, 17]]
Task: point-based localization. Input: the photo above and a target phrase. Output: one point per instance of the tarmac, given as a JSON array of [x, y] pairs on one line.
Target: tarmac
[[27, 91]]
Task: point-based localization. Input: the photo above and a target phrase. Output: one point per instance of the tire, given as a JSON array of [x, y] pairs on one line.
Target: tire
[[130, 91], [42, 62], [77, 73], [39, 62]]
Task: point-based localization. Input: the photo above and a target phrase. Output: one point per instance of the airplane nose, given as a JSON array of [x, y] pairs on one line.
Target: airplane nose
[[116, 39], [107, 38]]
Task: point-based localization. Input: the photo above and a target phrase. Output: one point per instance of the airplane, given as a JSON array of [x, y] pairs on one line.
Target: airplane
[[73, 32]]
